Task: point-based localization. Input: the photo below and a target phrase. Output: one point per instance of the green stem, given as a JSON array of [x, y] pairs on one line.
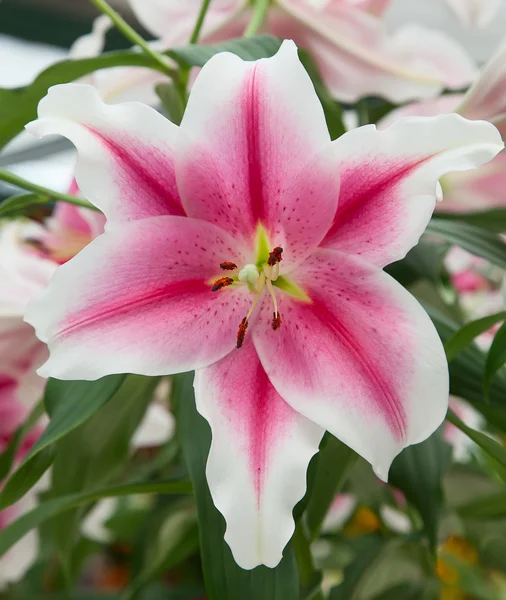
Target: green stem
[[200, 21], [132, 35], [42, 191], [258, 18]]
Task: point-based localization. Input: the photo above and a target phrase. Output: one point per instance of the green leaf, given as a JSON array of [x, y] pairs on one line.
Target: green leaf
[[369, 551], [474, 239], [252, 48], [403, 591], [488, 508], [224, 579], [55, 506], [331, 108], [335, 461], [494, 450], [99, 447], [496, 358], [466, 334], [69, 404], [466, 373], [26, 476], [492, 220], [175, 539], [19, 105], [421, 262], [380, 564], [7, 457], [171, 101], [418, 472], [16, 205]]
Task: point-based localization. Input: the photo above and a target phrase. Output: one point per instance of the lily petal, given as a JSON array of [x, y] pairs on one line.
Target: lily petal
[[426, 108], [138, 299], [125, 164], [256, 149], [486, 99], [259, 455], [475, 13], [389, 177], [480, 189], [23, 273], [357, 58], [362, 359], [174, 20]]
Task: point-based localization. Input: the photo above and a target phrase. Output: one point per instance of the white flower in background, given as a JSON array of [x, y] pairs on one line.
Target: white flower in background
[[475, 13]]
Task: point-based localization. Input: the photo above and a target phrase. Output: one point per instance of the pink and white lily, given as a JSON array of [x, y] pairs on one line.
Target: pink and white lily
[[249, 247], [346, 38]]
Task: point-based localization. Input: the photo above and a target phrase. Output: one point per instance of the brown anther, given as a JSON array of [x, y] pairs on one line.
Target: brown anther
[[242, 331], [275, 256], [221, 283], [228, 266], [37, 244], [276, 321]]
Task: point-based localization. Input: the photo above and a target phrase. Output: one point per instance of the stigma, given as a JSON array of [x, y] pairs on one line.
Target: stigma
[[257, 278]]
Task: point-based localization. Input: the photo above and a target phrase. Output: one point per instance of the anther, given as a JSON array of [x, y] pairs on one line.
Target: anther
[[221, 283], [228, 266], [242, 331], [275, 257], [276, 321]]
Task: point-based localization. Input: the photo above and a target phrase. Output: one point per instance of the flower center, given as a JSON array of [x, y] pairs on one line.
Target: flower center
[[257, 278]]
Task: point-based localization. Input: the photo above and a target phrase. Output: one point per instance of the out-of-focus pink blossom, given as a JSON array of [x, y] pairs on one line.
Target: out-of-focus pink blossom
[[475, 13], [347, 38], [15, 562], [482, 188], [462, 446], [486, 99]]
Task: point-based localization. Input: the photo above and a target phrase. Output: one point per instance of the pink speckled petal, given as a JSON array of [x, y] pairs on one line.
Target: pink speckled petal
[[362, 359], [259, 455], [125, 164], [389, 180], [255, 149], [138, 299]]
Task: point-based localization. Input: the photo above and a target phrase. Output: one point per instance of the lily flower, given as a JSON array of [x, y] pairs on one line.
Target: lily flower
[[247, 246], [347, 39]]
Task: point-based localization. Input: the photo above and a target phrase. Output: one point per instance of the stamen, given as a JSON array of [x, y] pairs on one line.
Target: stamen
[[276, 321], [273, 295], [221, 283], [276, 256], [228, 266], [242, 332]]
